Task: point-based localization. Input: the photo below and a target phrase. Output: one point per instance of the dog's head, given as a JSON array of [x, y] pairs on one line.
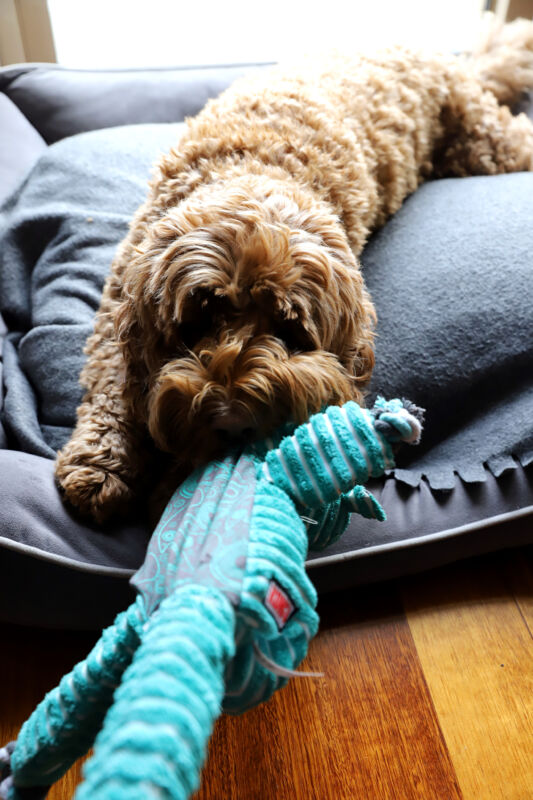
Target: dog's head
[[243, 308]]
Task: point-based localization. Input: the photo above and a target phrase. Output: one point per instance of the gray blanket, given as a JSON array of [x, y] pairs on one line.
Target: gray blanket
[[58, 235], [452, 278], [451, 275]]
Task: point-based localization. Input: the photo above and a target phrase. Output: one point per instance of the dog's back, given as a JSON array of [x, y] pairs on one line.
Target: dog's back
[[363, 133]]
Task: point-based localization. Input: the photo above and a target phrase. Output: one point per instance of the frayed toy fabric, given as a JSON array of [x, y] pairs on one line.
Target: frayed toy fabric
[[224, 613]]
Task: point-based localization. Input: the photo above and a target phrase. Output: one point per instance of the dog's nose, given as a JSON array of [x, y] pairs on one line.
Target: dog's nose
[[230, 427]]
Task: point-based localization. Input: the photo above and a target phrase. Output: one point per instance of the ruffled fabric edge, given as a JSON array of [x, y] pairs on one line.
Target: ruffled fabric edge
[[443, 477]]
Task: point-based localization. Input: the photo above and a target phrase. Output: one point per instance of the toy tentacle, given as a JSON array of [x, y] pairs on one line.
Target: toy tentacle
[[327, 523], [336, 450], [360, 500], [64, 724], [154, 739]]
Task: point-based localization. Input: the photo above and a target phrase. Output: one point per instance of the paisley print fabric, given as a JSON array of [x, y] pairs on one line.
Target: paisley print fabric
[[203, 534]]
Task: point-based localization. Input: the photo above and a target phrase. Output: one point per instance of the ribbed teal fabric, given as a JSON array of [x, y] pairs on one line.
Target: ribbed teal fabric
[[325, 524], [64, 724], [364, 503], [325, 457], [156, 733], [377, 447], [230, 619], [344, 429], [276, 552], [324, 488]]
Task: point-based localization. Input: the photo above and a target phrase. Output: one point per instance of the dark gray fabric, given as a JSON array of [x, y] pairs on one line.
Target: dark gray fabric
[[452, 278], [58, 236], [3, 437], [18, 136], [61, 102], [417, 512], [38, 590], [407, 557], [55, 570], [33, 517]]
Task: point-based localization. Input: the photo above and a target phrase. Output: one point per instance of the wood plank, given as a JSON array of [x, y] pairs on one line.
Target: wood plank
[[517, 566], [32, 662], [477, 655], [366, 730]]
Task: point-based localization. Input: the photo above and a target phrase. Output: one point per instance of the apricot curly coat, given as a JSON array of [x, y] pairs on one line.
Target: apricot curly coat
[[236, 301]]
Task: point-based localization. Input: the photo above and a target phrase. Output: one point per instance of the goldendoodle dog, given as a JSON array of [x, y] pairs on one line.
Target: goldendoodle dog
[[236, 302]]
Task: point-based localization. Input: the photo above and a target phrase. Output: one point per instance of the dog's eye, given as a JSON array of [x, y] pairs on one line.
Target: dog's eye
[[193, 332], [201, 315], [294, 336]]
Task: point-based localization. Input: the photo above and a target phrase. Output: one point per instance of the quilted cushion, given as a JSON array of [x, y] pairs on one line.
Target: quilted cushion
[[18, 135], [60, 102]]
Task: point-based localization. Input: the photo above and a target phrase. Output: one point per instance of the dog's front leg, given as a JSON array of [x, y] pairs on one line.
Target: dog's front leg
[[100, 469]]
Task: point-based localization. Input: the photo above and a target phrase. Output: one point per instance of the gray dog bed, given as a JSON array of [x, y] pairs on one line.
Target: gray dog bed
[[451, 276]]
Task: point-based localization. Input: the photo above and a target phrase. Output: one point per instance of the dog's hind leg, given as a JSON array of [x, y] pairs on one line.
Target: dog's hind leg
[[482, 137], [503, 59]]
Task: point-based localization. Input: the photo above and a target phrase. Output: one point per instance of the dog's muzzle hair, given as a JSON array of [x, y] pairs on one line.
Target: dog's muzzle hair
[[237, 388]]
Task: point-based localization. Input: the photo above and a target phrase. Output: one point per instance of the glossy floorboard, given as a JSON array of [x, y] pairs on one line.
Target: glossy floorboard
[[427, 693]]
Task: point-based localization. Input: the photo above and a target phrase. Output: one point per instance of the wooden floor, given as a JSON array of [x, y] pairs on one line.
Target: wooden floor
[[427, 693]]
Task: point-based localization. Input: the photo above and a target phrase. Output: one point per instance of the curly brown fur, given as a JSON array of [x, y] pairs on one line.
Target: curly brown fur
[[236, 300]]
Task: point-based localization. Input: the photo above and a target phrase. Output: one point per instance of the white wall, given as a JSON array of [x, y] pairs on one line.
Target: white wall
[[122, 33]]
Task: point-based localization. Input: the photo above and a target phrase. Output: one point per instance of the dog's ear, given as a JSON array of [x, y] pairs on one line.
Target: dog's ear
[[140, 327], [353, 338], [170, 281], [172, 268], [332, 301]]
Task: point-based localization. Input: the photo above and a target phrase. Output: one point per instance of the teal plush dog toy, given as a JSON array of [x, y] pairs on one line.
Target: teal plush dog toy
[[223, 616]]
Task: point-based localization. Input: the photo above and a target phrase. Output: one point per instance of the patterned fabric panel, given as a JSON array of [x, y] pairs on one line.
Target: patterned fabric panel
[[202, 536]]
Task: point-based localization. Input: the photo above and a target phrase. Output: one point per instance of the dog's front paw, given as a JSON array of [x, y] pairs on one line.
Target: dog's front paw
[[93, 491]]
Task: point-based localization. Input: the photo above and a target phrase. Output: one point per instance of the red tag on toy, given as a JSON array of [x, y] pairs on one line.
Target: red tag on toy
[[279, 604]]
